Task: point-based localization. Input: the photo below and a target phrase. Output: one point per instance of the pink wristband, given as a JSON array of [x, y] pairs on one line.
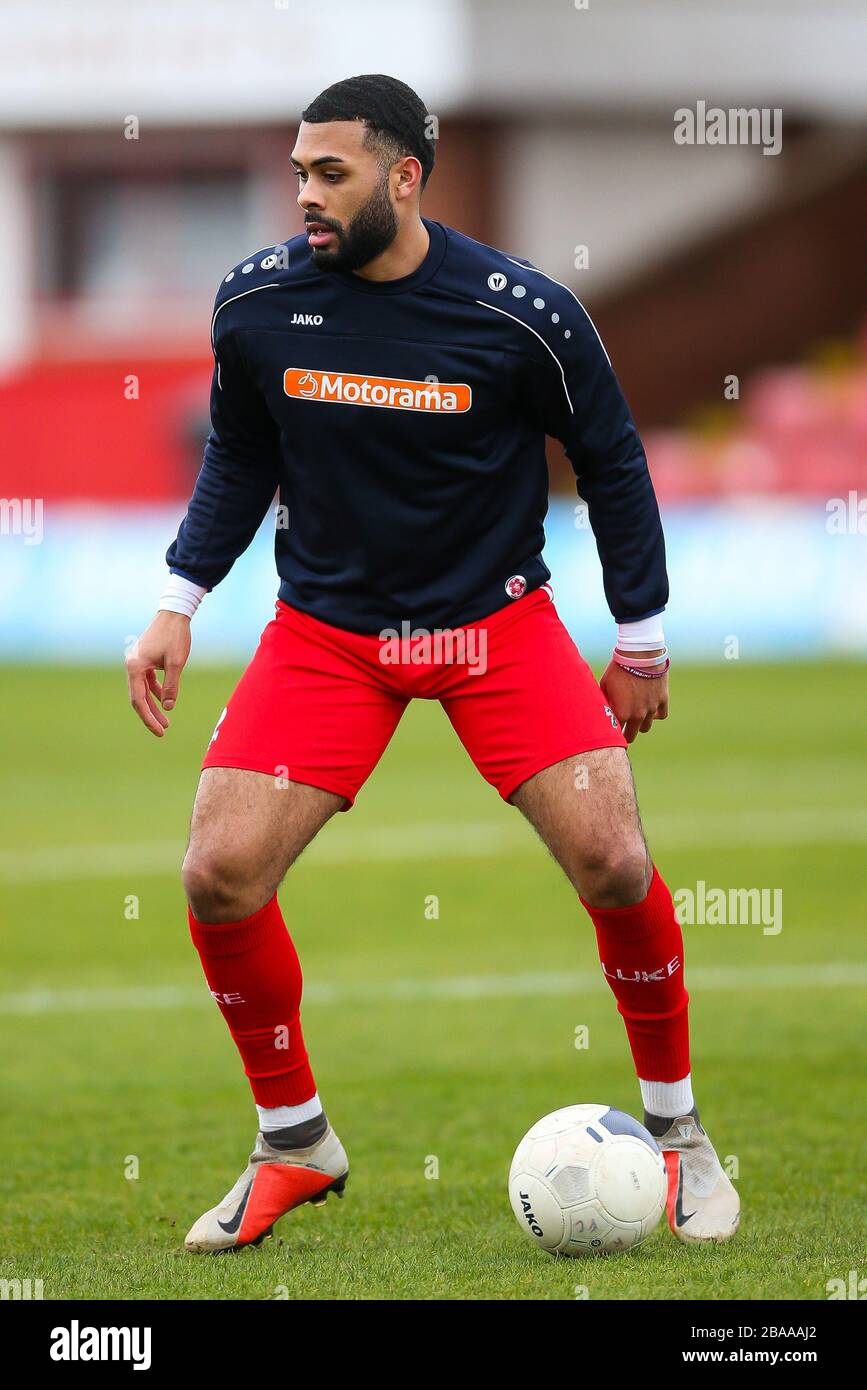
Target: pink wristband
[[646, 675]]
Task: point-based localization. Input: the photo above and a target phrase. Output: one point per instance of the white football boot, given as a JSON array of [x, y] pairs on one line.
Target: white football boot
[[702, 1204], [274, 1181]]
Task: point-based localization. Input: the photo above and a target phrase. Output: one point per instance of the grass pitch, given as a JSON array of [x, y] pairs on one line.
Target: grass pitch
[[435, 1042]]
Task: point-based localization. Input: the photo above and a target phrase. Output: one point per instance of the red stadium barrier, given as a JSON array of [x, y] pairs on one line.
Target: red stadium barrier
[[70, 431], [76, 431]]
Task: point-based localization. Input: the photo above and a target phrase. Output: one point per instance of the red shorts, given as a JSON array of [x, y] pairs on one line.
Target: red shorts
[[318, 704]]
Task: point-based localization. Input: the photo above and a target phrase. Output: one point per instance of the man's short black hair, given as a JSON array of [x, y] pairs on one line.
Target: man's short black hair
[[397, 120]]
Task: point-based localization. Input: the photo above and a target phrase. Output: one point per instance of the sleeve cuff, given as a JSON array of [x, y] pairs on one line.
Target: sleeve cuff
[[642, 636], [181, 595]]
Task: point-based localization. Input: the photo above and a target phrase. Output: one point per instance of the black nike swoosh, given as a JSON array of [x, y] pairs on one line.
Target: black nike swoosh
[[680, 1216], [230, 1227]]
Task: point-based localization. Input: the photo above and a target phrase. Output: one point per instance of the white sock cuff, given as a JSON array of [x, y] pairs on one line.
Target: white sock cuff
[[668, 1099], [281, 1116]]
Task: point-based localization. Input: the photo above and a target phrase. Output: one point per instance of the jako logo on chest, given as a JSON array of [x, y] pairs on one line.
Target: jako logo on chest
[[308, 320]]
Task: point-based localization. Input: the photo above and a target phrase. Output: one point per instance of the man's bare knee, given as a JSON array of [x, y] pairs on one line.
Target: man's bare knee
[[247, 828], [591, 825], [615, 875], [221, 886]]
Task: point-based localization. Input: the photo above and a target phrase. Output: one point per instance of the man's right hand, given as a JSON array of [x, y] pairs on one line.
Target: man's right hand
[[163, 646]]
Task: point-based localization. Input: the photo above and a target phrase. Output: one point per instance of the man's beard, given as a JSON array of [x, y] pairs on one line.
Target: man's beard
[[371, 231]]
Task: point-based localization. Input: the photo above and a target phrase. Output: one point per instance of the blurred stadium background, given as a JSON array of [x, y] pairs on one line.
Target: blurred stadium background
[[144, 150]]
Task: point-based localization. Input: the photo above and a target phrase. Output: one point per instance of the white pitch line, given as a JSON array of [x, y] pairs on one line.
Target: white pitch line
[[441, 839], [467, 988], [375, 845]]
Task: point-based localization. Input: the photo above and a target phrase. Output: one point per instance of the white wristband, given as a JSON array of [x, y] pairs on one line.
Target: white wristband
[[181, 596], [643, 636]]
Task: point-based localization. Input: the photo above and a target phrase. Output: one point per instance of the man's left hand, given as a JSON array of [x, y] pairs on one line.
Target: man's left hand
[[636, 700]]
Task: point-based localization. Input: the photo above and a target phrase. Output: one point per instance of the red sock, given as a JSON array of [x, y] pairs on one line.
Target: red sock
[[641, 950], [253, 972]]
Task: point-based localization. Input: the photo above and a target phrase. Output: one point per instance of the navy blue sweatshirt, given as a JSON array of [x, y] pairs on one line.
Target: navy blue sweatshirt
[[403, 423]]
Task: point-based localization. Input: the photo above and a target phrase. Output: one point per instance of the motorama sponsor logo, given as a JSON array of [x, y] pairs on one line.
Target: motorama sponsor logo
[[391, 393]]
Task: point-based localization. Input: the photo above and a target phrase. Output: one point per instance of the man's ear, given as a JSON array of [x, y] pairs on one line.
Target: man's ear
[[408, 179]]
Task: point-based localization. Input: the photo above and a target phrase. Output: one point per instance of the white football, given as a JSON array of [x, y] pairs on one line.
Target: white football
[[587, 1180]]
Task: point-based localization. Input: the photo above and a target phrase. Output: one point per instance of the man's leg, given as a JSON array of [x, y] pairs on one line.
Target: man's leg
[[247, 829], [300, 735], [585, 811]]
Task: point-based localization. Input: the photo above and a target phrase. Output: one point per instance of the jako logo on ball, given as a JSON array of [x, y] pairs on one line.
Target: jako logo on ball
[[587, 1180], [528, 1215]]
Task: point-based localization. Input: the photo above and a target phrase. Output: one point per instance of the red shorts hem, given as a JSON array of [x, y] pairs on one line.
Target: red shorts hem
[[539, 765], [250, 765], [319, 705]]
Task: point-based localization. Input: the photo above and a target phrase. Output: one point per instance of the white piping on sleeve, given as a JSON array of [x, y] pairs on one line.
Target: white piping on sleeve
[[536, 271], [541, 340], [272, 286]]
